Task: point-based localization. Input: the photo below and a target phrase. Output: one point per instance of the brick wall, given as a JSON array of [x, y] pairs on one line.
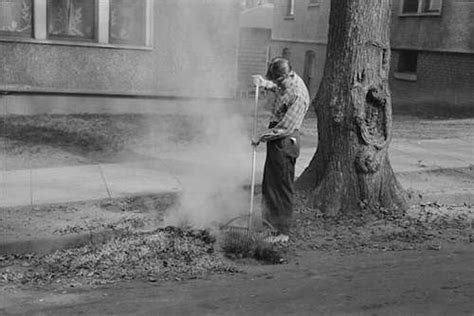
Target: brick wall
[[253, 55], [442, 80]]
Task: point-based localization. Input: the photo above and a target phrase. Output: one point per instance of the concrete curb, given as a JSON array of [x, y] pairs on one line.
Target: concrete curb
[[48, 245], [53, 243]]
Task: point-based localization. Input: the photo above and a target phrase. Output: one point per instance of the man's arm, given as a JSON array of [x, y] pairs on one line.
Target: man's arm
[[258, 80], [289, 123]]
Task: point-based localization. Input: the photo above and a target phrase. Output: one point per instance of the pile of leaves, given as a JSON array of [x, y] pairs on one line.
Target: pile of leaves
[[126, 223], [424, 226], [163, 254]]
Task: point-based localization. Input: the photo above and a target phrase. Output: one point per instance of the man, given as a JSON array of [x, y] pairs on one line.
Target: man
[[290, 105]]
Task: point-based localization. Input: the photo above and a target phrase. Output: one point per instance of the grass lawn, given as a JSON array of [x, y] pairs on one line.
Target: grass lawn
[[34, 141]]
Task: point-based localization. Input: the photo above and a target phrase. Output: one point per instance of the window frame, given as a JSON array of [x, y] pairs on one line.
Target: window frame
[[312, 4], [406, 74], [286, 53], [290, 10], [102, 31], [420, 11], [30, 34], [65, 38], [308, 66], [123, 42]]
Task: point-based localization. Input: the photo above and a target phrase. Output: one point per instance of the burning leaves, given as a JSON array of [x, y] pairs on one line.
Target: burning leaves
[[168, 253]]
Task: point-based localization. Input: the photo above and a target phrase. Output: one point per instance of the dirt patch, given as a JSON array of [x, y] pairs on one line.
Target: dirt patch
[[424, 226], [421, 282], [53, 221], [453, 186]]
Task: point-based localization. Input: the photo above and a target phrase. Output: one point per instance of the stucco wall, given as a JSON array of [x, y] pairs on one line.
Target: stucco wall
[[194, 54], [307, 30], [453, 30], [310, 23]]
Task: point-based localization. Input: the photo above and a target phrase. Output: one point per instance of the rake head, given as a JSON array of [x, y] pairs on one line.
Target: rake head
[[242, 242]]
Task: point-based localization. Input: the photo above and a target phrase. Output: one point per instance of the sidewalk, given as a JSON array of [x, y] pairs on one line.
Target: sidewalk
[[446, 166], [170, 171]]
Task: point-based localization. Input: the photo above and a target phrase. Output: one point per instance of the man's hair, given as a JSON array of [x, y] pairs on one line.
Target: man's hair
[[278, 69]]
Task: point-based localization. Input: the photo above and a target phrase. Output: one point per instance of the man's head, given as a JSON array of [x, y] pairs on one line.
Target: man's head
[[278, 70]]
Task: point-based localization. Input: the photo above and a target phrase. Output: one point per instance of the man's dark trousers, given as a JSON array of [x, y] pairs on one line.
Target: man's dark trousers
[[278, 181]]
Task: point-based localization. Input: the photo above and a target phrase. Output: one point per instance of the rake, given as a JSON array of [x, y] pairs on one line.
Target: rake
[[241, 238]]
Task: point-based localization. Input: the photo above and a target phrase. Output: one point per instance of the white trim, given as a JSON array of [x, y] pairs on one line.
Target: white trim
[[40, 20], [433, 50], [72, 43], [419, 11], [103, 23], [420, 14], [292, 8], [149, 23], [300, 41], [405, 76], [420, 6], [24, 89]]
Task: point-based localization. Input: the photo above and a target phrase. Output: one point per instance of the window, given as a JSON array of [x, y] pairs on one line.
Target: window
[[410, 6], [407, 60], [432, 6], [290, 8], [309, 63], [314, 3], [16, 18], [104, 23], [407, 64], [127, 22], [72, 19], [285, 53], [421, 7]]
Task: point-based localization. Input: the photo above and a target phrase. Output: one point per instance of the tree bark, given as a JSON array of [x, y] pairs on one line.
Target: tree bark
[[351, 170]]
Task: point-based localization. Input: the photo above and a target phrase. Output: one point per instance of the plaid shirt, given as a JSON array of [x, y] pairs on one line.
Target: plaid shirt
[[289, 108]]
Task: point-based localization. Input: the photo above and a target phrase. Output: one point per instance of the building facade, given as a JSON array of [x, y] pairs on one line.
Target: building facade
[[432, 48], [254, 44], [433, 53], [173, 48], [299, 34]]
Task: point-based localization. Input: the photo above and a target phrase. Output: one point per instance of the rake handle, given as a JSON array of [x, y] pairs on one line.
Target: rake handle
[[254, 160]]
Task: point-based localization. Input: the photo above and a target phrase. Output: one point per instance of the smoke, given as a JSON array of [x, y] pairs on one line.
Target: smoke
[[206, 143], [217, 169], [220, 154]]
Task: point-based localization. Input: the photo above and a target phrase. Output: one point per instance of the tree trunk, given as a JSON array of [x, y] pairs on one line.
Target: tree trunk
[[351, 170]]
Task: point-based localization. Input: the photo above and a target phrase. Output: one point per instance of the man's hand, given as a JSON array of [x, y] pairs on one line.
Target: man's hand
[[258, 80], [255, 142]]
